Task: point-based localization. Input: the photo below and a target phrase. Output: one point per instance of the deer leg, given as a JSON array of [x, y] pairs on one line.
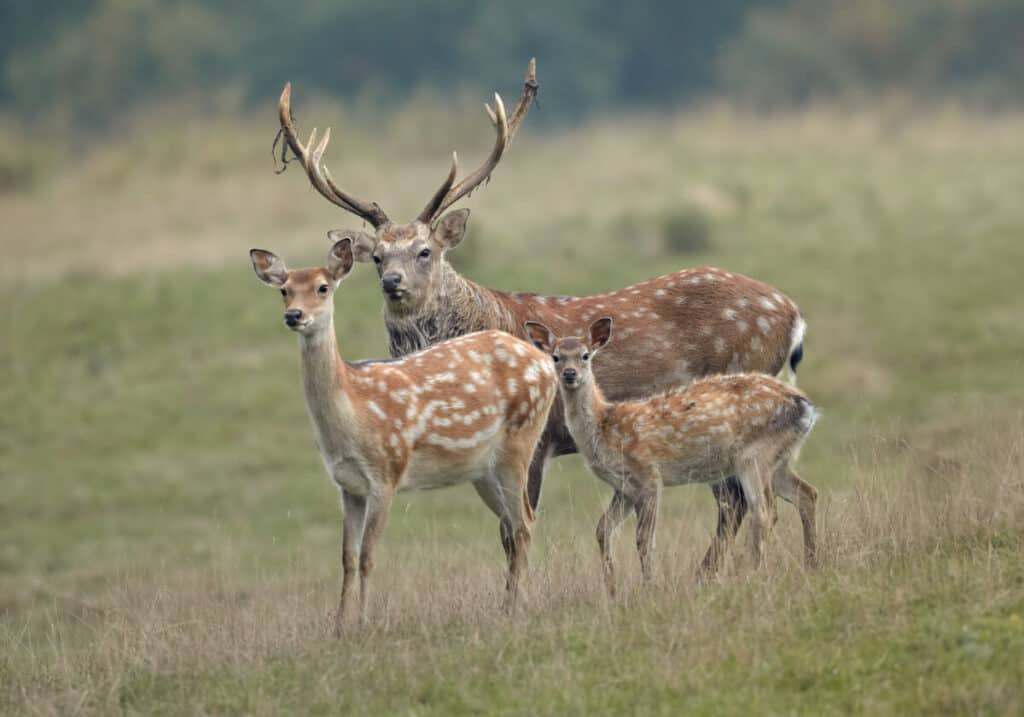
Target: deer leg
[[646, 505], [378, 505], [757, 491], [351, 533], [606, 527], [512, 480], [538, 464], [804, 497], [732, 507], [490, 493]]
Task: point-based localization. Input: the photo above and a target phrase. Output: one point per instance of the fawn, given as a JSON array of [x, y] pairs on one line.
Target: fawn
[[748, 425], [467, 410]]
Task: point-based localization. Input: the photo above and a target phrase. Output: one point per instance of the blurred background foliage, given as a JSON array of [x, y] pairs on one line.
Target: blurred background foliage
[[75, 64]]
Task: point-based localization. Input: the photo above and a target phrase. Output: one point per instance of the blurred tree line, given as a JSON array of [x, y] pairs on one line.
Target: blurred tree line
[[82, 60]]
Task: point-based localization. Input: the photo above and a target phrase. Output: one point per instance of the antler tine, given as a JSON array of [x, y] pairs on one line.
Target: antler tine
[[483, 172], [506, 129], [522, 107], [311, 161], [430, 211], [526, 101], [284, 111], [317, 171], [301, 151]]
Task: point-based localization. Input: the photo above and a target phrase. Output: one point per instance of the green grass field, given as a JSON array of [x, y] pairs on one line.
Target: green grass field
[[169, 542]]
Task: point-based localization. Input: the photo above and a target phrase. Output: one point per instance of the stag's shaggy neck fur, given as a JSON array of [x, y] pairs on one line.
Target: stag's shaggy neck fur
[[459, 307]]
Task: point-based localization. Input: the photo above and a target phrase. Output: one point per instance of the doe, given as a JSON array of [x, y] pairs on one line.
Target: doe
[[747, 425], [467, 410]]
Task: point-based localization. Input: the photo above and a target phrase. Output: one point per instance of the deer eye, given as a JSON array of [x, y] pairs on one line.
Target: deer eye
[[284, 293], [556, 359], [376, 260], [586, 357], [322, 290], [425, 254]]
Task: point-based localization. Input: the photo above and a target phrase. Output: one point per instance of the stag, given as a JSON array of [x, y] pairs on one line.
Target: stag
[[681, 326]]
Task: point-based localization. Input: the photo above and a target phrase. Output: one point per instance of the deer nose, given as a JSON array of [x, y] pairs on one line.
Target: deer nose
[[390, 281], [569, 375], [292, 316]]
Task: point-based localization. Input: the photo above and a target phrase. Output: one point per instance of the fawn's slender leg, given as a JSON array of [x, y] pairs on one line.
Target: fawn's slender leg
[[758, 493], [732, 507], [617, 511], [351, 535], [646, 504], [803, 495], [378, 505]]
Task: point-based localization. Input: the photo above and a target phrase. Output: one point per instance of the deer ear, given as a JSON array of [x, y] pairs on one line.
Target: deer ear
[[363, 244], [270, 270], [451, 229], [540, 335], [600, 333], [339, 259]]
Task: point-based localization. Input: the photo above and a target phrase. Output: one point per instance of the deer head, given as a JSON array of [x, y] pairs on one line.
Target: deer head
[[307, 293], [573, 354], [409, 258]]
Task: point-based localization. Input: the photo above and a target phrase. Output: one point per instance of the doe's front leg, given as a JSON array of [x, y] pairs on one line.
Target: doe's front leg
[[378, 505], [517, 524], [354, 507]]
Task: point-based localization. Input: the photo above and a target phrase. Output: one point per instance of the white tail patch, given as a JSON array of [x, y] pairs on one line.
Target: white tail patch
[[795, 341]]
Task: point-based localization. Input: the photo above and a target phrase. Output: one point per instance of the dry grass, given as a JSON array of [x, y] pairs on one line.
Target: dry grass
[[168, 541], [889, 538]]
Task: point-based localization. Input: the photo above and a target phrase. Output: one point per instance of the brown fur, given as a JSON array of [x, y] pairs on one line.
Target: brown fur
[[685, 325], [693, 323], [750, 425], [467, 410]]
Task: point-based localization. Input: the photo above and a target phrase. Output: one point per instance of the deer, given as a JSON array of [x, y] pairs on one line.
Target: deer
[[683, 325], [470, 409], [749, 425]]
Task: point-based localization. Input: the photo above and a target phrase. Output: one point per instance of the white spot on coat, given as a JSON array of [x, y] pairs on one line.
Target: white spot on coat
[[372, 405]]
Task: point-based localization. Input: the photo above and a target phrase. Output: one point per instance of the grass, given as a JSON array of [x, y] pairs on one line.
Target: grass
[[168, 541]]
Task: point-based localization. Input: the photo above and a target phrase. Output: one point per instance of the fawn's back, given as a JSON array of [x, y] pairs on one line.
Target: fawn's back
[[697, 433]]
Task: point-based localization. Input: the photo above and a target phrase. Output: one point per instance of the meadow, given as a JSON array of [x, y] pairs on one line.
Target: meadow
[[169, 543]]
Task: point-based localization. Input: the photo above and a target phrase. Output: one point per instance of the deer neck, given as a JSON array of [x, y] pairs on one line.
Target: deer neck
[[325, 380], [585, 412], [457, 308]]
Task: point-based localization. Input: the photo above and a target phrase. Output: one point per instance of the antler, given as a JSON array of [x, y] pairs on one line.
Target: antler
[[318, 174], [506, 129]]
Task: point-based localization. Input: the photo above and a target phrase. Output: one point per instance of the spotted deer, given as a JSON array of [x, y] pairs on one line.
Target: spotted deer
[[681, 326], [467, 410], [749, 425]]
